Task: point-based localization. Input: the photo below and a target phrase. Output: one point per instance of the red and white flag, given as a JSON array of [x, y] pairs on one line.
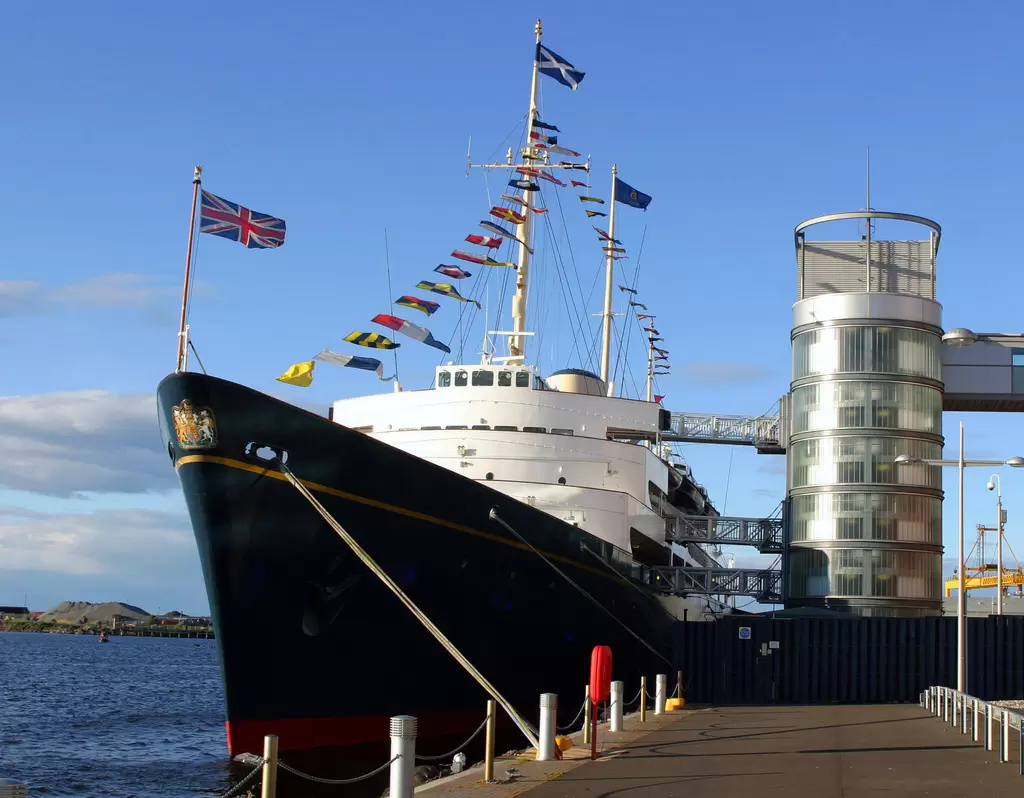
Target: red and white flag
[[414, 331], [484, 241]]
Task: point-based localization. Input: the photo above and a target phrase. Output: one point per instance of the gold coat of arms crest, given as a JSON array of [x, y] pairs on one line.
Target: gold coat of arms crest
[[196, 428]]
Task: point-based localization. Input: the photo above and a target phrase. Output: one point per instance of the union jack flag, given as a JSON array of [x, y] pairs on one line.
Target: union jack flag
[[230, 220]]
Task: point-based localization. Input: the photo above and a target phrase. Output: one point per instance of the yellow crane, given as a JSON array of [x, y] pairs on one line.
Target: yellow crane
[[981, 574]]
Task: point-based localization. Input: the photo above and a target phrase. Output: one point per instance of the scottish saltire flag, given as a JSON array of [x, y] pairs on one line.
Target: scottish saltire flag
[[453, 271], [414, 331], [445, 289], [485, 241], [372, 340], [545, 126], [628, 195], [226, 219], [554, 66], [416, 303], [353, 362]]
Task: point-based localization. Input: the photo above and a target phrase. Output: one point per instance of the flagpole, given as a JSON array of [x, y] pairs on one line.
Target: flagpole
[[179, 364], [517, 342], [606, 342], [650, 368]]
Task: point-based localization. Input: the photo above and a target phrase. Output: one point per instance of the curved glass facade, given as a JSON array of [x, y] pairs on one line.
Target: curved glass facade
[[902, 517], [854, 404], [861, 459], [863, 530], [862, 349], [865, 573]]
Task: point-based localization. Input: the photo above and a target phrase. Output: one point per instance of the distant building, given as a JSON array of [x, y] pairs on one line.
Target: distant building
[[15, 613]]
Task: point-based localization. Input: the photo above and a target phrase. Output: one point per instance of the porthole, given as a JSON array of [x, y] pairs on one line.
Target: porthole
[[561, 480], [489, 475]]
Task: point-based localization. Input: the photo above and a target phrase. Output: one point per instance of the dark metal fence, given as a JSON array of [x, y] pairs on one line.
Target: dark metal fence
[[764, 660]]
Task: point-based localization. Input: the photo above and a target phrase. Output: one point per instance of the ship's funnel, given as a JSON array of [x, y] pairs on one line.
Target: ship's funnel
[[577, 381]]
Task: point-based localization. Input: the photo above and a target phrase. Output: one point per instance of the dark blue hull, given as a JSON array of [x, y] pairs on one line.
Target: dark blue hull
[[313, 647]]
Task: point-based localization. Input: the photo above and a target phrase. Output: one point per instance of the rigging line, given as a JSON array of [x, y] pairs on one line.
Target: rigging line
[[387, 260], [576, 323], [494, 515], [508, 135], [633, 284], [575, 268], [192, 346], [626, 372], [400, 594]]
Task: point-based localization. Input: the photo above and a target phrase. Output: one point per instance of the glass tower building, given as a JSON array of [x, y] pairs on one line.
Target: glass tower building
[[864, 535]]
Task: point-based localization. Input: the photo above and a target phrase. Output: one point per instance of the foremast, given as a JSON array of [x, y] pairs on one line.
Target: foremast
[[528, 154]]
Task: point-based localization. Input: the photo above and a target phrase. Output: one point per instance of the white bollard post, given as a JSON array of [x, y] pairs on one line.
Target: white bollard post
[[587, 710], [548, 715], [1005, 737], [963, 714], [403, 746], [976, 720], [616, 720], [989, 737], [660, 690]]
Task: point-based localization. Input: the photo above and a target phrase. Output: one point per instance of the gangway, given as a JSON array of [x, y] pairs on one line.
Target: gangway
[[761, 432], [765, 585], [764, 533]]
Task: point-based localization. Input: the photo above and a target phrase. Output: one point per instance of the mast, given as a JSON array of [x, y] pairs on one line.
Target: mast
[[516, 342], [179, 364], [606, 338], [650, 367]]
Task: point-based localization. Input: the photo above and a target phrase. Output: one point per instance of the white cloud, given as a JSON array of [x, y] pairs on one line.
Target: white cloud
[[724, 371], [150, 543], [66, 443], [113, 290]]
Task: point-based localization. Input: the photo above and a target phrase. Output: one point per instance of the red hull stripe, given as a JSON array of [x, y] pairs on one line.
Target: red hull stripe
[[306, 733]]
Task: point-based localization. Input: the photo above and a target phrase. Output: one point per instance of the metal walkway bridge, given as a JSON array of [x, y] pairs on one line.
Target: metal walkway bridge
[[763, 533], [765, 585], [761, 432]]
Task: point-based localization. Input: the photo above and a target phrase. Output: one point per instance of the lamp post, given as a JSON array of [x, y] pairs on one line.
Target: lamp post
[[995, 483], [961, 602]]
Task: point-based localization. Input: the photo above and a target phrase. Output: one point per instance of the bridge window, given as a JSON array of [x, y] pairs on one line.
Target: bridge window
[[463, 426], [481, 426], [501, 428], [534, 429], [505, 379], [444, 379], [460, 379], [522, 379], [1017, 372], [556, 431], [483, 377]]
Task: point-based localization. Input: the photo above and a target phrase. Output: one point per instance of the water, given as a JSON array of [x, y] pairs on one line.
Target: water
[[134, 717]]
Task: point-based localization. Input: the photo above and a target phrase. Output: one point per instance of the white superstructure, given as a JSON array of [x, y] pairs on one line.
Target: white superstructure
[[588, 459]]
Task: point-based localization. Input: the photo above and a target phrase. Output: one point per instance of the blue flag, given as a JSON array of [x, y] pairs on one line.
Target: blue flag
[[554, 66], [628, 195]]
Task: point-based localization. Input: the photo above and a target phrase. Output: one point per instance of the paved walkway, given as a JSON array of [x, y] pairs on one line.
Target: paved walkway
[[817, 752], [826, 752]]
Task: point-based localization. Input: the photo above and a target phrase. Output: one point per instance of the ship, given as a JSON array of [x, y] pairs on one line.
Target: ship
[[522, 514]]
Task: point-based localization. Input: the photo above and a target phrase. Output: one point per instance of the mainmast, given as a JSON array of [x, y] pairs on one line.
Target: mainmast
[[517, 337], [650, 367], [516, 342], [606, 337]]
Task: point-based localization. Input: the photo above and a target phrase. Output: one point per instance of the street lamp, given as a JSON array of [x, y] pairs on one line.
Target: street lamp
[[996, 484], [961, 603]]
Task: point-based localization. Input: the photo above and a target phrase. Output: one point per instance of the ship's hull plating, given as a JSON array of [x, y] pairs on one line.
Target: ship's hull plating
[[314, 648]]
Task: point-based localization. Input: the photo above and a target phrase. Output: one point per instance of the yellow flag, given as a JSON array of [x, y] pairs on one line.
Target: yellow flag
[[300, 374]]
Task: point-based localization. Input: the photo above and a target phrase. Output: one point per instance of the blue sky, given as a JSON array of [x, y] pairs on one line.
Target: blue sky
[[740, 119]]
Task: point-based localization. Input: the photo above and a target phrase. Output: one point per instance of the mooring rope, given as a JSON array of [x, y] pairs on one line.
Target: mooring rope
[[381, 574], [353, 780], [561, 573], [454, 751], [252, 774]]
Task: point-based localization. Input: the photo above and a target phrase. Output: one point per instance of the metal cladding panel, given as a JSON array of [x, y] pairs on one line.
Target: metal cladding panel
[[839, 660], [897, 267]]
